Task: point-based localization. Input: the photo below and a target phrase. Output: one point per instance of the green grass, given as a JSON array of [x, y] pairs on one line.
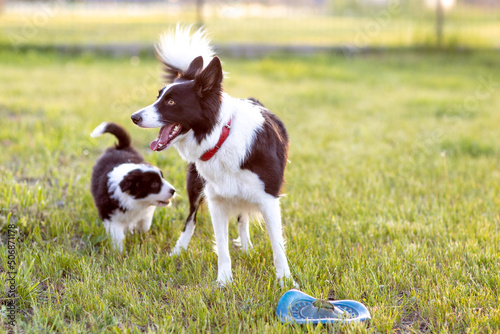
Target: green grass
[[392, 196]]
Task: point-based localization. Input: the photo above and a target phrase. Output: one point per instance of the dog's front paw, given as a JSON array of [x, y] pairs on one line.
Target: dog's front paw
[[224, 278], [117, 245], [176, 251], [288, 281]]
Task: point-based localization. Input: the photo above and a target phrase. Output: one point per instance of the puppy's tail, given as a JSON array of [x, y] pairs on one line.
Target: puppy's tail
[[115, 129], [178, 48]]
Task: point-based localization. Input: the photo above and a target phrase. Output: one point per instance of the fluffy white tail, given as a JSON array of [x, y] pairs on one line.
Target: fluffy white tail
[[177, 48]]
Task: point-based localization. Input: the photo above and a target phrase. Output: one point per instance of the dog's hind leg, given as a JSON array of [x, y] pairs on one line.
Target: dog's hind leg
[[194, 185], [243, 240]]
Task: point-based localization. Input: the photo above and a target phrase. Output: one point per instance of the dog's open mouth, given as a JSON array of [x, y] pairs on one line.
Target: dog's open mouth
[[163, 203], [167, 134]]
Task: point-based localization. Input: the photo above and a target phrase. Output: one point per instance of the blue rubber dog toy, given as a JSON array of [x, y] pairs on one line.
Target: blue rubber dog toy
[[297, 307]]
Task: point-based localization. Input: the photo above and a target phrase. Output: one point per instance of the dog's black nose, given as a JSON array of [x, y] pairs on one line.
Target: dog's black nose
[[172, 191], [136, 118]]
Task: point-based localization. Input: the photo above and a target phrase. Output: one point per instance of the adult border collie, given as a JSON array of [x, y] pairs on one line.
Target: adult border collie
[[126, 189], [237, 149]]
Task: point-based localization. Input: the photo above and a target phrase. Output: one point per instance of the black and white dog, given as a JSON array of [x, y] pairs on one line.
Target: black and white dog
[[126, 190], [237, 149]]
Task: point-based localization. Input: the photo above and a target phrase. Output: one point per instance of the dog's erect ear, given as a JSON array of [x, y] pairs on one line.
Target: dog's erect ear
[[170, 72], [194, 68], [210, 79]]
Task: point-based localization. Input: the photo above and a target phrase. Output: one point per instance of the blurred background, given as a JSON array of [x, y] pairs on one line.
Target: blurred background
[[300, 25]]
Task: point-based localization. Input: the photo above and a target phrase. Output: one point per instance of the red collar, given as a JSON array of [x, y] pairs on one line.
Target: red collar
[[223, 136]]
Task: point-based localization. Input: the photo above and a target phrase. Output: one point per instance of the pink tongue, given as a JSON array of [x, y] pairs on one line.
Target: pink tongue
[[162, 137], [154, 144]]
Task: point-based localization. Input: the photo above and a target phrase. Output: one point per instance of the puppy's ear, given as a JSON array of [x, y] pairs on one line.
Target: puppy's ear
[[130, 182], [125, 185], [210, 79], [194, 68]]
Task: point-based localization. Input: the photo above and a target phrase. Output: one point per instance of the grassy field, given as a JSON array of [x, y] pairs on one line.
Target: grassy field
[[392, 196], [397, 25]]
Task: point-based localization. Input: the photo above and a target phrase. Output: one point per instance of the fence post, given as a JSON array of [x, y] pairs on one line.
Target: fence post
[[199, 13], [439, 22]]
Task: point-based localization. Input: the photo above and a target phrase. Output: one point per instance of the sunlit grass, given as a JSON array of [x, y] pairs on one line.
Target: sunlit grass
[[392, 196]]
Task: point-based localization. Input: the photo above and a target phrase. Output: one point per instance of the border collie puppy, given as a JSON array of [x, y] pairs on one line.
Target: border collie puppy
[[126, 190], [237, 149]]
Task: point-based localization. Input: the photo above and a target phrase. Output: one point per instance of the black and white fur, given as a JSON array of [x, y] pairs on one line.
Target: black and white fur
[[126, 189], [245, 176]]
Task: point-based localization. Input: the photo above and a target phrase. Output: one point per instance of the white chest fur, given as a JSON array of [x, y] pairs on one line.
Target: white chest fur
[[222, 172]]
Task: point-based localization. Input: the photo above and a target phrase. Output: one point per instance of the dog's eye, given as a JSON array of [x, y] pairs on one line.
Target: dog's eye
[[155, 185], [170, 102]]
